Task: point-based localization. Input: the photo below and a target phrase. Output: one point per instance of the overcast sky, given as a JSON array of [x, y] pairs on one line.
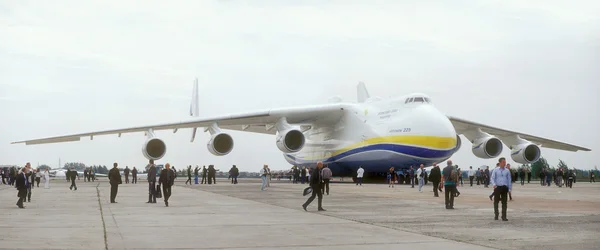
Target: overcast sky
[[80, 66]]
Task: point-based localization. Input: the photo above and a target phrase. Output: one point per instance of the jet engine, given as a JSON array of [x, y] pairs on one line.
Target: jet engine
[[220, 144], [290, 140], [525, 153], [487, 147], [154, 149]]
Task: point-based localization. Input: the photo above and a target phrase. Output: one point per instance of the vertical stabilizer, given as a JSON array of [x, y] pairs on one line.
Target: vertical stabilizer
[[362, 93], [194, 107]]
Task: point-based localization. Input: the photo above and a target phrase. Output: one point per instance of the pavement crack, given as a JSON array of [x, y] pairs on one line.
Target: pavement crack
[[116, 224], [102, 217]]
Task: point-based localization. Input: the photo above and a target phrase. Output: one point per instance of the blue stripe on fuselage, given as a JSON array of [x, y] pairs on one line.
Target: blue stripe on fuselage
[[378, 158]]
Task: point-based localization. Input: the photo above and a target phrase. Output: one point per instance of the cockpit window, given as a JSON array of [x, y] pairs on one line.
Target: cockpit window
[[420, 99]]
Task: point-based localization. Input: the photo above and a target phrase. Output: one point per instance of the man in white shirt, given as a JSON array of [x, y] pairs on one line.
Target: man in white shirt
[[359, 175], [263, 176], [471, 175], [46, 178]]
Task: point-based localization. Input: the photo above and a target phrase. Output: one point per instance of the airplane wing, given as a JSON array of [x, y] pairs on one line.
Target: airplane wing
[[258, 122], [466, 128]]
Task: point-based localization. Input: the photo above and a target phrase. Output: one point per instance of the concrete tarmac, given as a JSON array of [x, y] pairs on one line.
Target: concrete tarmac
[[226, 216]]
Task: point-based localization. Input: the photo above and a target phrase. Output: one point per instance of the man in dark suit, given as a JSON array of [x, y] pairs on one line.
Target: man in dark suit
[[211, 174], [204, 173], [166, 180], [126, 172], [315, 184], [189, 175], [72, 175], [436, 176], [22, 184], [134, 175], [115, 179], [151, 182]]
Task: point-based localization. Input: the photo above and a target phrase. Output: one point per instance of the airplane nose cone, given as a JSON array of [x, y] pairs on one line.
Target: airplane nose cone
[[429, 121]]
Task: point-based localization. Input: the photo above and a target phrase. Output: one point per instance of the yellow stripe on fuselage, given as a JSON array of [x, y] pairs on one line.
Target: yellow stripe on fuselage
[[432, 142], [435, 142]]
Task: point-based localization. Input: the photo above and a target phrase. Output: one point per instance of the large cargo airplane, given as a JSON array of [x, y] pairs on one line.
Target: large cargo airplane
[[374, 133]]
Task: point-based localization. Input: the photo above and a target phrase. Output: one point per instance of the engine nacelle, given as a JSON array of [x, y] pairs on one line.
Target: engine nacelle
[[154, 149], [525, 153], [220, 144], [487, 147], [290, 140]]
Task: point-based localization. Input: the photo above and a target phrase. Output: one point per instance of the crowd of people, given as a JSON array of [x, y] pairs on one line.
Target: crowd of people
[[25, 180], [318, 178]]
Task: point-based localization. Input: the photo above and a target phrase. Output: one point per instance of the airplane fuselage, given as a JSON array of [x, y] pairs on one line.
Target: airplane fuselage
[[380, 134]]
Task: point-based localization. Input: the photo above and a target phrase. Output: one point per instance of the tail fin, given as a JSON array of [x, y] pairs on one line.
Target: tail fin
[[362, 92], [194, 107]]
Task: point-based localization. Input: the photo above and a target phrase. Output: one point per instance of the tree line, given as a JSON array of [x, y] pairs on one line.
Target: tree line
[[537, 167], [78, 166]]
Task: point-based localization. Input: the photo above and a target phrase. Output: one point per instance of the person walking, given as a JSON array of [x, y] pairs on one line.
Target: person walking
[[315, 184], [269, 176], [263, 176], [31, 179], [487, 176], [212, 172], [46, 179], [72, 174], [235, 172], [411, 174], [435, 177], [196, 170], [326, 175], [460, 177], [134, 173], [38, 177], [502, 184], [570, 177], [189, 175], [166, 180], [151, 182], [126, 172], [471, 175], [22, 183], [391, 177], [114, 177], [359, 175], [449, 177], [204, 173], [421, 175]]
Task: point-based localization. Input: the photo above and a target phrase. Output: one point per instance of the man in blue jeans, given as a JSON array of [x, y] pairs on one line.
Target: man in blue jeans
[[449, 178], [263, 176], [502, 183], [411, 175]]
